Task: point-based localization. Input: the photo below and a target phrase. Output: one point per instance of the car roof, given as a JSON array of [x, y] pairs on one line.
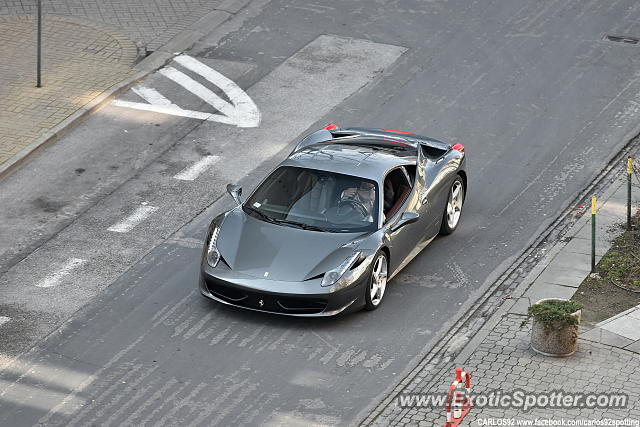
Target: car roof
[[359, 157]]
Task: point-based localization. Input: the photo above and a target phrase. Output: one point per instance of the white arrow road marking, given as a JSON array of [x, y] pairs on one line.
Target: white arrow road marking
[[54, 278], [241, 111], [192, 172], [4, 319], [246, 110], [152, 96], [157, 103], [174, 110], [132, 220], [200, 91]]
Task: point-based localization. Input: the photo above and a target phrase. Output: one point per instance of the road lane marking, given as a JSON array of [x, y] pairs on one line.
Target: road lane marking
[[54, 278], [151, 95], [132, 220], [240, 111], [246, 110], [4, 319], [192, 172], [199, 90], [174, 110]]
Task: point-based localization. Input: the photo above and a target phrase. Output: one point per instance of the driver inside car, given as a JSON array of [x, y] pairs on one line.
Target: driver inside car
[[365, 194]]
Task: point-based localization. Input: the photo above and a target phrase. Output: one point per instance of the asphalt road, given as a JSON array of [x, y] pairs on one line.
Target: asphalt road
[[537, 96]]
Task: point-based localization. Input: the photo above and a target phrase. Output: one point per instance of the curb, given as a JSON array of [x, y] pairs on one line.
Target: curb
[[67, 124], [181, 42]]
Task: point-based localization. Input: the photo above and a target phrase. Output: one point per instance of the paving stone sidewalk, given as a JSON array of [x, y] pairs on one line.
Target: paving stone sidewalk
[[81, 60], [149, 23], [504, 361], [88, 47], [499, 356]]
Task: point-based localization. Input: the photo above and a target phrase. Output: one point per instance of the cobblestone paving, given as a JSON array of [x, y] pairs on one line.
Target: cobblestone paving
[[88, 46], [150, 23], [504, 361], [86, 60]]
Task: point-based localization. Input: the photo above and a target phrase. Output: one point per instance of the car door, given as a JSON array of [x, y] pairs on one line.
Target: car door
[[432, 184], [404, 240]]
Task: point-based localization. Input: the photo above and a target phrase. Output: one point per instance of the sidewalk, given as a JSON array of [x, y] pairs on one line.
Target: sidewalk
[[81, 60], [90, 53], [622, 330], [499, 356]]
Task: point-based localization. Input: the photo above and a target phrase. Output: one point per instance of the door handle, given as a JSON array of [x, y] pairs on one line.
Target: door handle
[[423, 198]]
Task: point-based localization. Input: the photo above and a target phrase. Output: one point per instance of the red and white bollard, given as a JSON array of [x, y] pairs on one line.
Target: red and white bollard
[[458, 398]]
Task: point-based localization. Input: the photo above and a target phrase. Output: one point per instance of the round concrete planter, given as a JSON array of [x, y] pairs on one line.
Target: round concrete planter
[[556, 342]]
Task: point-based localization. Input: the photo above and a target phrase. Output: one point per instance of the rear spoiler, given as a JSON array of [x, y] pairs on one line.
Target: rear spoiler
[[332, 132]]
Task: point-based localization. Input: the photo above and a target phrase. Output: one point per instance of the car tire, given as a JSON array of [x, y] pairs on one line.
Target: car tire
[[377, 283], [453, 208]]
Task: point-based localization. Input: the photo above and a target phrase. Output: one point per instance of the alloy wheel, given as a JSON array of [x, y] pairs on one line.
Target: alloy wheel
[[454, 204], [378, 279]]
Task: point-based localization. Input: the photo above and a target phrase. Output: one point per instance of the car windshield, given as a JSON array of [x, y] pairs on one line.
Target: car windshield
[[316, 200]]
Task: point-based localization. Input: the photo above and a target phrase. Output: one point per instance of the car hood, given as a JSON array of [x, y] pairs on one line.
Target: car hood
[[277, 252]]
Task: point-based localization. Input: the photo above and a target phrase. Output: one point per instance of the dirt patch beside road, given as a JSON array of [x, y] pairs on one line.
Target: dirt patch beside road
[[616, 287]]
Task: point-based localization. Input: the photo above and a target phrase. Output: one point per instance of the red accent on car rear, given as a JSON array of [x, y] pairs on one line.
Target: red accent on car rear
[[458, 147], [331, 126], [398, 131]]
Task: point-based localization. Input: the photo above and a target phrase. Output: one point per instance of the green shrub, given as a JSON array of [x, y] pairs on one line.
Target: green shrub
[[555, 314]]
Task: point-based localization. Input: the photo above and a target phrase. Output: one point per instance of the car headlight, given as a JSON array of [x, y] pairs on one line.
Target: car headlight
[[337, 275], [213, 255]]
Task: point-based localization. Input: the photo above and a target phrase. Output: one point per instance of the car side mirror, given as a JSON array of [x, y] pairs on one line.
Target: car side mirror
[[405, 219], [235, 191]]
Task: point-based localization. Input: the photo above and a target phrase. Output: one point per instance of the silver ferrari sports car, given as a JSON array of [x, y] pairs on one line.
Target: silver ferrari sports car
[[334, 222]]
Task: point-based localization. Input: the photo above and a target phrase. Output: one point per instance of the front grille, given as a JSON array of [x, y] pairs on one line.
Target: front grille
[[228, 294], [301, 306], [264, 301]]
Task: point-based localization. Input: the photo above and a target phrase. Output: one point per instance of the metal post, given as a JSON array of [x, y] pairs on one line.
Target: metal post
[[39, 43], [593, 234], [629, 172]]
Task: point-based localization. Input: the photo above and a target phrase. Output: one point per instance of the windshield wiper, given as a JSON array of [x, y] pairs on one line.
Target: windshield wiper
[[261, 215], [286, 221], [302, 225]]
